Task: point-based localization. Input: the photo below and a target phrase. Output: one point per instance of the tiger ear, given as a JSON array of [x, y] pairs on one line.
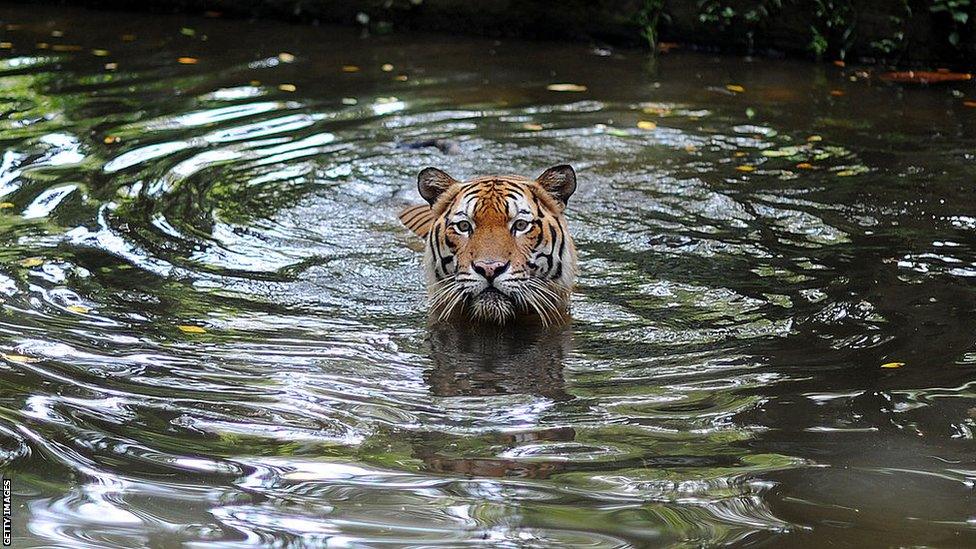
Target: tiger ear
[[431, 182], [559, 181]]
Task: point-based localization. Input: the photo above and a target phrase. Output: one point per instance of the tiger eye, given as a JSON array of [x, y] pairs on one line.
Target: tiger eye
[[520, 225], [463, 226]]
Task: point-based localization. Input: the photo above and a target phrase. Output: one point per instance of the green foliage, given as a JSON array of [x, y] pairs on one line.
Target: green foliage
[[648, 18]]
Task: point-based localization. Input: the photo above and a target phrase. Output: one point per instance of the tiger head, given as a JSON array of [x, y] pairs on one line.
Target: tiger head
[[498, 248]]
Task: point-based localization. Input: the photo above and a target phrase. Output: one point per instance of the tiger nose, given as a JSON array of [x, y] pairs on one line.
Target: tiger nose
[[490, 268]]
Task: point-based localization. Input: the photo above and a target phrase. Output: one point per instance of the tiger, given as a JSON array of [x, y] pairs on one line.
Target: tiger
[[498, 248]]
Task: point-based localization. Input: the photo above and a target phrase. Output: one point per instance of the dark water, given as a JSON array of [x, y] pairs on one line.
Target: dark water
[[722, 382]]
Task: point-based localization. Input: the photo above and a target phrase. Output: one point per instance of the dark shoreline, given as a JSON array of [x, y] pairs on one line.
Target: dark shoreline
[[906, 34]]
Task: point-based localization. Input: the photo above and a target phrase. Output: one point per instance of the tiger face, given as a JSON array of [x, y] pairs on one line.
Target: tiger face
[[498, 248]]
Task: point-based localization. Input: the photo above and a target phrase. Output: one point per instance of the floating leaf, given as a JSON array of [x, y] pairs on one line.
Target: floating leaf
[[66, 47], [746, 168], [805, 166], [187, 31], [386, 67], [969, 103], [287, 87], [6, 205], [837, 93], [735, 88], [400, 78], [565, 87], [739, 154], [20, 359], [31, 262], [42, 45], [6, 45], [784, 151], [646, 125], [128, 37], [286, 57], [349, 101], [839, 63], [111, 66], [350, 68], [814, 138], [925, 77], [80, 309], [893, 365], [111, 139], [532, 127], [187, 60], [187, 329], [617, 132], [99, 53]]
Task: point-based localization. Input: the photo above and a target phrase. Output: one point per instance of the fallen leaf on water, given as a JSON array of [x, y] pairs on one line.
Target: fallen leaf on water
[[111, 66], [186, 329], [255, 83], [400, 78], [286, 57], [739, 154], [187, 31], [566, 87], [646, 125], [287, 87], [846, 173], [110, 139], [349, 101], [665, 47], [735, 88], [805, 166], [813, 138], [6, 205], [784, 151], [386, 67], [893, 365], [746, 168], [43, 45], [99, 53], [31, 262], [533, 127], [837, 93], [6, 45], [617, 132], [839, 63], [128, 37], [21, 359], [187, 60], [969, 103], [57, 33], [350, 68], [80, 309], [925, 77], [66, 47]]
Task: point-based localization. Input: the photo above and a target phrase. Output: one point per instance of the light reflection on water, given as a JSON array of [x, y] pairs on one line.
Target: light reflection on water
[[747, 267]]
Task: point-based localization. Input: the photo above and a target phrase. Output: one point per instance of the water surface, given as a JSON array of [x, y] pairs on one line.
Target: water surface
[[213, 331]]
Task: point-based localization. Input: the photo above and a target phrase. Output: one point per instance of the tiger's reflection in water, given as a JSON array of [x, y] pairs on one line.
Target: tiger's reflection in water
[[489, 361]]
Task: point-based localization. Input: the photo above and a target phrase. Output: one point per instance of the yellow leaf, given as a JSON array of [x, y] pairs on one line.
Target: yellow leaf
[[187, 60], [99, 53], [386, 67], [646, 125], [66, 47], [846, 173], [566, 87], [109, 139], [350, 68], [287, 87], [735, 88], [111, 66], [6, 45], [739, 154], [6, 205], [191, 329], [893, 365], [400, 78], [533, 127], [349, 101], [813, 138], [805, 166], [746, 168], [31, 262], [286, 57], [80, 309], [43, 45], [21, 359]]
